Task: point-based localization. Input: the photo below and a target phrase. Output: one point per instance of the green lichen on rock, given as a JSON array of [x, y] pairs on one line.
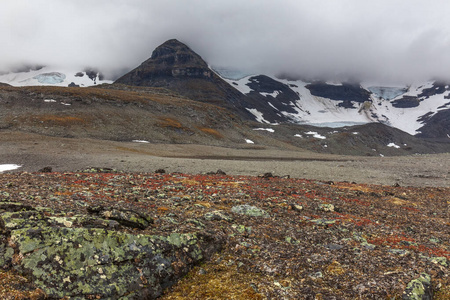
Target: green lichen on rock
[[249, 210], [326, 207], [126, 218], [323, 222], [82, 256], [218, 215], [419, 289], [78, 261]]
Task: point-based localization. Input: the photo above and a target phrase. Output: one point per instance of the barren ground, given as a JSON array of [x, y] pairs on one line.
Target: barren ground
[[34, 152]]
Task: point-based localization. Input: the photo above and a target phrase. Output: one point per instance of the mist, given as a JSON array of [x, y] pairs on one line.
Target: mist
[[380, 41]]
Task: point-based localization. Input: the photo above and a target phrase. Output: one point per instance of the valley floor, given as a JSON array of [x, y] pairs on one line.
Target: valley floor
[[34, 152]]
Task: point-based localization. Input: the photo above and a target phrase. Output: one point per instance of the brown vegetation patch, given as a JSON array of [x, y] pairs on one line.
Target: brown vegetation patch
[[16, 287], [211, 131], [219, 279], [170, 123]]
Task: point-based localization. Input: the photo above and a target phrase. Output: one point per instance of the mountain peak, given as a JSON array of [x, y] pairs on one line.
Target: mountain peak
[[175, 53], [173, 65]]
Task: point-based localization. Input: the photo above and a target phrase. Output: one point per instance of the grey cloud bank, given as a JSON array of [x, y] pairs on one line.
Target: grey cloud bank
[[384, 41]]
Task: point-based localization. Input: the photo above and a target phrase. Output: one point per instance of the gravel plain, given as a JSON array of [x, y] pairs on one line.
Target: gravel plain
[[34, 152]]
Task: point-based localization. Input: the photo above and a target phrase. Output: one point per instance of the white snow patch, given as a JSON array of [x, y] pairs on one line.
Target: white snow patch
[[355, 132], [258, 115], [316, 135], [249, 141], [49, 100], [52, 76], [141, 141], [7, 167], [64, 103], [381, 155], [272, 106], [393, 145], [333, 83], [266, 129], [298, 135], [274, 94]]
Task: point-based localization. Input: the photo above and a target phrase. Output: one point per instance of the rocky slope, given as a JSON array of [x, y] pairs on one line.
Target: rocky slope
[[157, 115], [91, 235], [174, 66]]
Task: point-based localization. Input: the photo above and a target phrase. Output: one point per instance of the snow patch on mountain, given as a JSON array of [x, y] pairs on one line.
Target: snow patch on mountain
[[316, 135], [266, 129], [404, 107], [393, 145], [51, 76]]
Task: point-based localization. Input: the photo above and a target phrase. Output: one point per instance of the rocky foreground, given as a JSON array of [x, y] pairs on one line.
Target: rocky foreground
[[100, 234]]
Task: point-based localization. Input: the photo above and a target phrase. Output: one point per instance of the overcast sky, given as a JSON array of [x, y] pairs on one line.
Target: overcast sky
[[380, 40]]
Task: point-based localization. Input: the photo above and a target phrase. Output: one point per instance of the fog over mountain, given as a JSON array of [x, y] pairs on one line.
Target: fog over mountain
[[384, 41]]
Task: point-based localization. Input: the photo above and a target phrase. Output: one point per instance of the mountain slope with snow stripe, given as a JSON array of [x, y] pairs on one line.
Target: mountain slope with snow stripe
[[405, 108]]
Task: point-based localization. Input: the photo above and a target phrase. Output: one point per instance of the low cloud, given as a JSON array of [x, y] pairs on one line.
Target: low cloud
[[384, 41]]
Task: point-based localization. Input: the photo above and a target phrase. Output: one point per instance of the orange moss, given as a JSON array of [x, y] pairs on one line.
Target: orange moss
[[219, 281], [59, 120], [171, 123], [211, 131]]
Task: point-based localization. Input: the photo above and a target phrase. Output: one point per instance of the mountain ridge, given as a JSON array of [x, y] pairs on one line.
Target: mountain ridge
[[271, 100]]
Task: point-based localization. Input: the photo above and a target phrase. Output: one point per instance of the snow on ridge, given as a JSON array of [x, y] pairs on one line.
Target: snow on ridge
[[258, 115], [274, 94], [50, 76], [249, 141], [8, 167], [266, 129], [141, 141], [316, 135], [333, 83], [313, 110], [393, 145]]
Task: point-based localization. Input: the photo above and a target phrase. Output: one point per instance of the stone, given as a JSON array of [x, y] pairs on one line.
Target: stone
[[296, 207], [249, 210], [220, 172], [266, 175], [419, 288], [326, 207], [217, 215], [124, 217], [66, 261]]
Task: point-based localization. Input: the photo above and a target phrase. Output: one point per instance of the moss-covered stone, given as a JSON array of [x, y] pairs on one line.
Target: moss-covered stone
[[249, 210], [126, 218], [79, 262], [419, 289], [218, 215]]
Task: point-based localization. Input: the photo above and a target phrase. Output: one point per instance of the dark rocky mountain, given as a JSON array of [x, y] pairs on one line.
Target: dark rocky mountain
[[175, 66], [347, 93], [436, 126]]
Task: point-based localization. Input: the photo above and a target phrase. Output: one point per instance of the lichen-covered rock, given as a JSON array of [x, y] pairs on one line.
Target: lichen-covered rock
[[326, 207], [249, 210], [419, 289], [80, 262], [84, 257], [217, 215], [126, 218]]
